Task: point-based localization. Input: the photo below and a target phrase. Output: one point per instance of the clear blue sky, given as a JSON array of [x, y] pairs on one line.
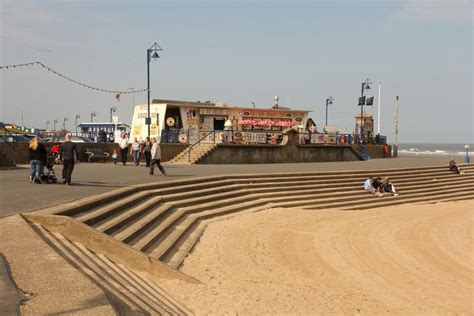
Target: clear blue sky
[[244, 51]]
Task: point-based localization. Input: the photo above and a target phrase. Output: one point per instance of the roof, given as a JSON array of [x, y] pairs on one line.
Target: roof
[[98, 124], [212, 105]]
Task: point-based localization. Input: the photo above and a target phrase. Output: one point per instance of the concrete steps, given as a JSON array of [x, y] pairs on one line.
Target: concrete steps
[[127, 291], [165, 220], [198, 152], [170, 242]]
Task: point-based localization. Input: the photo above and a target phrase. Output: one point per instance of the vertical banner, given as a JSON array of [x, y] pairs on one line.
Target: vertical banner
[[139, 129]]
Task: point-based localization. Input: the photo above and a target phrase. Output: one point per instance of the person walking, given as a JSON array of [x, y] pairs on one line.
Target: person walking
[[156, 157], [123, 144], [68, 155], [135, 151], [147, 151], [37, 158]]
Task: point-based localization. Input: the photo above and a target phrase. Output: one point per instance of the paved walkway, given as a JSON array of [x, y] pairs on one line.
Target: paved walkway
[[19, 196]]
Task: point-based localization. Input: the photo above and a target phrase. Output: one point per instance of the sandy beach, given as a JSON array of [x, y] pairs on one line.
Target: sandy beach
[[410, 259]]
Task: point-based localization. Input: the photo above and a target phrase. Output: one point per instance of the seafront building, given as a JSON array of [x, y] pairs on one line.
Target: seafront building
[[188, 122]]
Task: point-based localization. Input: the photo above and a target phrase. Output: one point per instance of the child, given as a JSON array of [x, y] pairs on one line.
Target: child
[[115, 156]]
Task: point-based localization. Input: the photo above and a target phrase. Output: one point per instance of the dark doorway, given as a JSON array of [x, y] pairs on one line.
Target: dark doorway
[[219, 123]]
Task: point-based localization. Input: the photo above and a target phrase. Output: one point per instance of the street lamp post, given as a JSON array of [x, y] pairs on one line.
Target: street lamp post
[[112, 109], [77, 116], [64, 123], [92, 115], [54, 124], [155, 48], [47, 123], [364, 86], [328, 101], [466, 158]]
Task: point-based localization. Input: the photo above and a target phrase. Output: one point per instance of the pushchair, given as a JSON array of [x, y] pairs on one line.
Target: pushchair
[[49, 176]]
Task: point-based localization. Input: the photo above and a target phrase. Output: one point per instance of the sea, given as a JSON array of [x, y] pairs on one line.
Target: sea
[[420, 149]]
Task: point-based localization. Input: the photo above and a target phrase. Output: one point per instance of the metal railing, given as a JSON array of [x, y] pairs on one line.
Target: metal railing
[[199, 141], [339, 138], [11, 144]]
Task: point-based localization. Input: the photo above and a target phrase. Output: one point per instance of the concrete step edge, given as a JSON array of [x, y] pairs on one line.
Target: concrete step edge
[[143, 223]]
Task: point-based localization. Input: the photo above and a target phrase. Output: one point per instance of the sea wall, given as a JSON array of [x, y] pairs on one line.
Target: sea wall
[[289, 151]]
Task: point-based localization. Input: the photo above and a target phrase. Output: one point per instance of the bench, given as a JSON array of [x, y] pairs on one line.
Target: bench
[[96, 154]]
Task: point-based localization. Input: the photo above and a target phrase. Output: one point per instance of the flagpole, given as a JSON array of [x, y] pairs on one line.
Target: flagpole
[[395, 121], [378, 111]]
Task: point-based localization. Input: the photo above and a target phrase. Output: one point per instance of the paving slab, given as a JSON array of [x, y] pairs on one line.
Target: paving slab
[[10, 296]]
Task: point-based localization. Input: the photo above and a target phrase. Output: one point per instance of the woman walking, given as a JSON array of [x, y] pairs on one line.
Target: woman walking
[[135, 151], [123, 144], [156, 157], [37, 159], [147, 151]]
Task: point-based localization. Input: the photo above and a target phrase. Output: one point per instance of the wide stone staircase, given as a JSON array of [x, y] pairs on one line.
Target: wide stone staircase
[[164, 221], [198, 152]]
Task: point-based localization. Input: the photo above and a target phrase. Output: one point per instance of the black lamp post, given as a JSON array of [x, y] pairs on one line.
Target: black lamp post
[[54, 124], [77, 116], [92, 115], [328, 101], [112, 109], [64, 123], [364, 86], [155, 48], [47, 123]]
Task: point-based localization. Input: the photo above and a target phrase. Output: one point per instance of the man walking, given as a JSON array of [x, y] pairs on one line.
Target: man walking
[[123, 144], [68, 155], [156, 157]]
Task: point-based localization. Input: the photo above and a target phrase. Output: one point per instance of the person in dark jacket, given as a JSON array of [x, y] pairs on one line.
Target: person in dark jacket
[[68, 155], [146, 150], [37, 159]]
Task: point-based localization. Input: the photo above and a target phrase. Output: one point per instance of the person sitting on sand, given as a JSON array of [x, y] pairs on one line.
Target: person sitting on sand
[[387, 186], [453, 167], [369, 187]]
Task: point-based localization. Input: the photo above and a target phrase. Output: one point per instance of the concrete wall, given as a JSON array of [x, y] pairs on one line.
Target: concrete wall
[[252, 154], [168, 151], [376, 151], [6, 155], [290, 151]]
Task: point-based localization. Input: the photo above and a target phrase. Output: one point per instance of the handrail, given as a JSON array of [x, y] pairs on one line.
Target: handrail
[[200, 140], [12, 147], [362, 151]]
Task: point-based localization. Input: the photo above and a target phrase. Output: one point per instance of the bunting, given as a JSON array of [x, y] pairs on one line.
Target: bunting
[[116, 92]]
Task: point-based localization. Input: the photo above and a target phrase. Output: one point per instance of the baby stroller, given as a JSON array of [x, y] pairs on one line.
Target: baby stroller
[[49, 176]]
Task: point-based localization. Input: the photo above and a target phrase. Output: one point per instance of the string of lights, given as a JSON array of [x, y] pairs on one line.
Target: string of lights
[[116, 92]]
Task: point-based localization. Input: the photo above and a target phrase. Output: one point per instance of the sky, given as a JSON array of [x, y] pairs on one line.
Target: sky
[[243, 51]]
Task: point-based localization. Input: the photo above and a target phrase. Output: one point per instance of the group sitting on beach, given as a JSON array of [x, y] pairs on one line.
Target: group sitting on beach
[[378, 186], [453, 167]]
